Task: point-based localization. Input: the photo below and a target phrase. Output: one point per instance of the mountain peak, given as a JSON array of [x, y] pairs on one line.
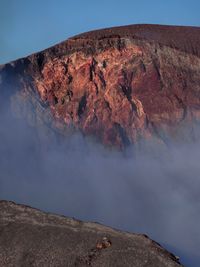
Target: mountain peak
[[121, 85]]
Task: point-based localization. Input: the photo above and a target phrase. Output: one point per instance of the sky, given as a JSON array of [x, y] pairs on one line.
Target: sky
[[28, 26]]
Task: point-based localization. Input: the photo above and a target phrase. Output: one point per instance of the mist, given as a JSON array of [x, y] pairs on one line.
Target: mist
[[155, 192]]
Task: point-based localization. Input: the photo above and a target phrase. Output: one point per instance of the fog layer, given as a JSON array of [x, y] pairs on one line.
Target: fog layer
[[156, 193]]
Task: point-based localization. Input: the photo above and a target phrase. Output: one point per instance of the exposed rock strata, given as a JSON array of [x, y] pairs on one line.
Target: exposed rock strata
[[120, 85]]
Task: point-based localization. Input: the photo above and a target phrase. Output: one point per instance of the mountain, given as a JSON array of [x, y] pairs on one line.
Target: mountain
[[30, 237], [120, 85]]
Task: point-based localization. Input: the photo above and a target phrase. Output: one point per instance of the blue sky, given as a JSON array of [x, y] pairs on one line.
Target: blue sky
[[27, 26]]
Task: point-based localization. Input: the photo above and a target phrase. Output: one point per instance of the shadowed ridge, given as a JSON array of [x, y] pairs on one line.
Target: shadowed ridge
[[185, 38]]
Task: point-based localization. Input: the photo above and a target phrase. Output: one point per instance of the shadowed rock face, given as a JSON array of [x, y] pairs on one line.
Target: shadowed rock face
[[120, 85], [29, 237]]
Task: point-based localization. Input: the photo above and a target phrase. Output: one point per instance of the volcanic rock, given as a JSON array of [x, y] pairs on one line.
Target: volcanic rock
[[29, 237], [121, 85]]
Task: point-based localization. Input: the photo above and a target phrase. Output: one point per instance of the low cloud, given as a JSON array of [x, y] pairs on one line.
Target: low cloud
[[153, 191]]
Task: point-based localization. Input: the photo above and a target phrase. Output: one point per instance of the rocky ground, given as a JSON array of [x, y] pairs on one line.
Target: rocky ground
[[30, 237]]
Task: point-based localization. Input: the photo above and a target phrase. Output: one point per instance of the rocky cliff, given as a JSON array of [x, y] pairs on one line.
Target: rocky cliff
[[121, 85], [29, 237]]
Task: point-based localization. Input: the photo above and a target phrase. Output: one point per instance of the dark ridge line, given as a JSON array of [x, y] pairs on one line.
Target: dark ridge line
[[183, 38], [131, 31]]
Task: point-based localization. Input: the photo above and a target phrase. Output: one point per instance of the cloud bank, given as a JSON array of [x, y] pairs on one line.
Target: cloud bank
[[148, 191]]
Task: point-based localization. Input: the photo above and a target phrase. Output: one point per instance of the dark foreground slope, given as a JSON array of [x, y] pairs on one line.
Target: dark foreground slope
[[121, 85], [29, 237]]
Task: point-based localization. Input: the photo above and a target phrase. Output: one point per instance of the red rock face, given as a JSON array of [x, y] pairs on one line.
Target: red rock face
[[121, 85]]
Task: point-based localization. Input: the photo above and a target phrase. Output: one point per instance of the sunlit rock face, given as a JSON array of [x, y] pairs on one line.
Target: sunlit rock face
[[120, 85]]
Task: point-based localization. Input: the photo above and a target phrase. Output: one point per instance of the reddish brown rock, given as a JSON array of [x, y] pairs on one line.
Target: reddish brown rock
[[120, 84]]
